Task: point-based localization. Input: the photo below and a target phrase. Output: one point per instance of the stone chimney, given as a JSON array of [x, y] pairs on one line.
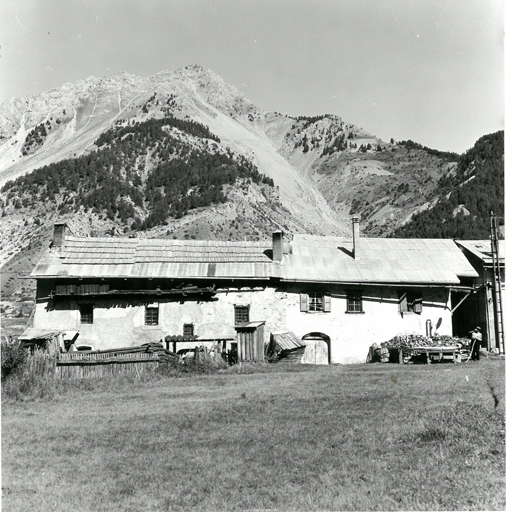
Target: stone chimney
[[59, 233], [277, 246], [356, 237]]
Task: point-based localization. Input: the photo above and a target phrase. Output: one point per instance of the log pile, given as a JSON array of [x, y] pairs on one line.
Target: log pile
[[118, 354], [411, 345], [158, 349]]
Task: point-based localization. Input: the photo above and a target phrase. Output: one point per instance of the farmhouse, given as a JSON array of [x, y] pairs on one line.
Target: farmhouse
[[485, 306], [341, 294]]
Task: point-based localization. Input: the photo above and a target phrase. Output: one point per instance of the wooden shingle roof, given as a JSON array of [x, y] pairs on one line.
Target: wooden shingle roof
[[308, 259], [156, 258]]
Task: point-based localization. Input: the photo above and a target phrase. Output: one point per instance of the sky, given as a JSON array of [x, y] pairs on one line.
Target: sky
[[427, 70]]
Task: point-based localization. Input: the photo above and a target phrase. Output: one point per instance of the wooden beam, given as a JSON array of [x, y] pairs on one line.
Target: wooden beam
[[465, 297]]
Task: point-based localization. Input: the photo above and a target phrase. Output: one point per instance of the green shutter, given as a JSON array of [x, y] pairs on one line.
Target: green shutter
[[417, 305], [303, 302]]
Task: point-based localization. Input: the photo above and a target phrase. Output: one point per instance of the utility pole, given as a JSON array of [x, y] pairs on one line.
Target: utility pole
[[498, 314]]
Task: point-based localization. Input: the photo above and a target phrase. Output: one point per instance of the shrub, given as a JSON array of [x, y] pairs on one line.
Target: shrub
[[14, 359], [25, 375]]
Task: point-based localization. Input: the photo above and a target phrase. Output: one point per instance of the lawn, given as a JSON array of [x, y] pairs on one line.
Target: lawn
[[357, 437]]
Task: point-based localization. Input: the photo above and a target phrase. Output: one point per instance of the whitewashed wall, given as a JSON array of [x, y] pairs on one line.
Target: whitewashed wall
[[121, 323]]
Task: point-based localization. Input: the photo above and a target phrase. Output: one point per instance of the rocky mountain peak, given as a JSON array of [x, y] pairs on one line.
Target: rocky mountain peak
[[199, 81]]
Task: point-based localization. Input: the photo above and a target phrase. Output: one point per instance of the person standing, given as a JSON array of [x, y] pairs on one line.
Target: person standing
[[476, 339]]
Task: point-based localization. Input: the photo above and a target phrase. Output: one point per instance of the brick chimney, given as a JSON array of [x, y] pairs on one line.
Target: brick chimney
[[277, 246], [356, 237], [59, 233]]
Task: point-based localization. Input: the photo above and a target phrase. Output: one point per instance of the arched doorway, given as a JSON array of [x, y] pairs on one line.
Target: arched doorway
[[317, 348]]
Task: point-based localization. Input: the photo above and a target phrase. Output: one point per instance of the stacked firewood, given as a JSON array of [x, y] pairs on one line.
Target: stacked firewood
[[411, 343], [162, 353]]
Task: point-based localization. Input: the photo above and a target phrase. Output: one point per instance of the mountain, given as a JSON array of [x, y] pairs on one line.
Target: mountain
[[75, 115], [186, 155], [467, 195]]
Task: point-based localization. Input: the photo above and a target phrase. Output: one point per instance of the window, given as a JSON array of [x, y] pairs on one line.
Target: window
[[410, 302], [314, 302], [354, 302], [151, 315], [86, 311], [241, 314], [188, 330]]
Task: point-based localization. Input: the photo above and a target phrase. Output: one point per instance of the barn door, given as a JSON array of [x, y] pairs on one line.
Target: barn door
[[317, 349]]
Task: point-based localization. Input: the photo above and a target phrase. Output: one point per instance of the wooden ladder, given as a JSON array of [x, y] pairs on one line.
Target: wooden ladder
[[498, 310]]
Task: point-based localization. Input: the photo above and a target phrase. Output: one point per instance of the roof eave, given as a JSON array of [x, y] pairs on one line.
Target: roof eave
[[377, 283]]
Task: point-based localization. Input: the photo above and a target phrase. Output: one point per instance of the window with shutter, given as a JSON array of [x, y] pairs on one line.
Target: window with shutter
[[314, 302], [410, 302]]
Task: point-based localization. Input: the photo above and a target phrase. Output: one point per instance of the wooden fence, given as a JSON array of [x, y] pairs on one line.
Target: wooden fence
[[85, 365], [41, 364]]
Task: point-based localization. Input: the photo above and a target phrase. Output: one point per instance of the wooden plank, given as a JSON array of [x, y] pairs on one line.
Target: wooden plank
[[240, 346], [96, 362], [260, 343]]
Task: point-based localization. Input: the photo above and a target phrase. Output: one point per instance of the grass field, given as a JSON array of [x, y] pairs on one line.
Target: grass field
[[358, 437]]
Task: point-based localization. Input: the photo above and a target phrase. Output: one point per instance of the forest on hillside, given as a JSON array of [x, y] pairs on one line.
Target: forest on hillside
[[467, 196], [141, 173], [446, 155]]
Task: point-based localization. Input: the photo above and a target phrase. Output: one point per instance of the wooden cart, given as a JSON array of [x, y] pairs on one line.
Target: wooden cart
[[440, 354]]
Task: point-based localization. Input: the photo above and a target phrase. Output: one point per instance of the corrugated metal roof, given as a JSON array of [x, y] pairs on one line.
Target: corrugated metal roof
[[482, 249], [156, 258], [380, 260]]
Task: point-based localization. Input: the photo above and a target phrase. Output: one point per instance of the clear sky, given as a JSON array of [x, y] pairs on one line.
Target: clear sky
[[427, 70]]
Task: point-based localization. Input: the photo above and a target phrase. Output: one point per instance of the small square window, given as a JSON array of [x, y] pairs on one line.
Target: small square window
[[354, 302], [86, 311], [151, 315], [241, 314], [188, 330]]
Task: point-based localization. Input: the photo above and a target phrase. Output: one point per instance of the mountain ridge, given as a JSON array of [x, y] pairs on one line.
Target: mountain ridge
[[185, 86]]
